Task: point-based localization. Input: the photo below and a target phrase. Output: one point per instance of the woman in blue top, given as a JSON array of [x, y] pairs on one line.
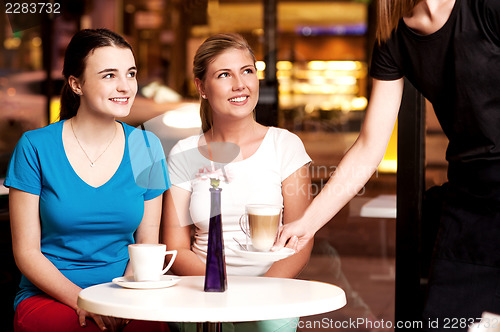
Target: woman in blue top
[[82, 189]]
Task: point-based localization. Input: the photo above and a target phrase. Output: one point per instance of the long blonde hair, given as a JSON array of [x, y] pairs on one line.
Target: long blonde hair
[[389, 12], [206, 53]]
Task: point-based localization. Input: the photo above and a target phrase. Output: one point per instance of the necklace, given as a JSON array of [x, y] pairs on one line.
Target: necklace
[[92, 163]]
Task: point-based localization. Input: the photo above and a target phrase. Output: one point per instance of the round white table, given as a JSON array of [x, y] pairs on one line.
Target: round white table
[[246, 299]]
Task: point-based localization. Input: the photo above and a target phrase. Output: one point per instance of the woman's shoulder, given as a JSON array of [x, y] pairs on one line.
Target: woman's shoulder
[[44, 134], [187, 143], [284, 135], [134, 133], [191, 140]]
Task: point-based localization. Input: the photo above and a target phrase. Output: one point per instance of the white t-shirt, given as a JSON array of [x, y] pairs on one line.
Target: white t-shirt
[[255, 180]]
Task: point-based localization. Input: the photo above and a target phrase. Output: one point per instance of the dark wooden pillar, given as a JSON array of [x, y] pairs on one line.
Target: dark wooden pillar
[[48, 58], [267, 108], [410, 189]]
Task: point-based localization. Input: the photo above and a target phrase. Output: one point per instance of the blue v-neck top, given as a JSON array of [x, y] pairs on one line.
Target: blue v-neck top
[[85, 230]]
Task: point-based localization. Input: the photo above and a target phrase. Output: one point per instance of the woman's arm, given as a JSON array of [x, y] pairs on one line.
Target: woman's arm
[[355, 168], [149, 228], [176, 232], [296, 190], [26, 235]]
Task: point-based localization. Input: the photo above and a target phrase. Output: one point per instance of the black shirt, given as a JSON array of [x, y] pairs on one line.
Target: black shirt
[[457, 68]]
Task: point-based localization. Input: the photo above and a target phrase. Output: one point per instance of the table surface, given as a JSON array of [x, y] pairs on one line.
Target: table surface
[[382, 206], [246, 299], [3, 190]]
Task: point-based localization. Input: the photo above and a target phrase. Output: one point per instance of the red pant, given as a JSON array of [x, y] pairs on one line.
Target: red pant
[[42, 313]]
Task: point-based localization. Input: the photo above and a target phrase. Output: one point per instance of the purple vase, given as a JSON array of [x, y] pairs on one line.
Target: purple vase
[[215, 273]]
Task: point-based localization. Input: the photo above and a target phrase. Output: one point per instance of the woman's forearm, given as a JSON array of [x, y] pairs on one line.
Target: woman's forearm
[[188, 263], [362, 159], [43, 274], [26, 230], [351, 175]]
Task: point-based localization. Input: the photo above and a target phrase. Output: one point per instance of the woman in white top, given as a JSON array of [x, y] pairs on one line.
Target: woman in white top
[[256, 164]]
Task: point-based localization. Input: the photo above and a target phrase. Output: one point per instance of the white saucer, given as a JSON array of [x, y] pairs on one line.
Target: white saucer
[[129, 282], [262, 256]]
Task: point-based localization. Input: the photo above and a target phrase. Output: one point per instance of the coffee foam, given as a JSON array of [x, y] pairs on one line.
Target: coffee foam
[[263, 210]]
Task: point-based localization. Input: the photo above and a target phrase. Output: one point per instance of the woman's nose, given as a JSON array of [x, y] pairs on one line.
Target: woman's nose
[[238, 83], [123, 85]]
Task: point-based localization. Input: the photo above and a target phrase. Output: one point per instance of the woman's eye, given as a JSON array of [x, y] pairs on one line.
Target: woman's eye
[[108, 76], [223, 75], [132, 74], [248, 71]]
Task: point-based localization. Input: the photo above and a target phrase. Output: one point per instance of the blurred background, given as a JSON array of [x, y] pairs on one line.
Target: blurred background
[[313, 61]]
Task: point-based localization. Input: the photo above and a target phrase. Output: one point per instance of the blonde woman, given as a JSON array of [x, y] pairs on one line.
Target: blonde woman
[[256, 164]]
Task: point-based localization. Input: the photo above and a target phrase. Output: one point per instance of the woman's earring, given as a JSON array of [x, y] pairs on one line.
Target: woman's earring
[[204, 96]]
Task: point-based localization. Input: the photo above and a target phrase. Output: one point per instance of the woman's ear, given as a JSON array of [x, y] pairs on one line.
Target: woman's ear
[[199, 86], [75, 85]]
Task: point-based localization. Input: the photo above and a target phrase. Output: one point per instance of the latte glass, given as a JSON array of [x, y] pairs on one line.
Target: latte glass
[[261, 223]]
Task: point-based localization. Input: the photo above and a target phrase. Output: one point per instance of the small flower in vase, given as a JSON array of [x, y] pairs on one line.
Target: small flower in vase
[[214, 182], [214, 174]]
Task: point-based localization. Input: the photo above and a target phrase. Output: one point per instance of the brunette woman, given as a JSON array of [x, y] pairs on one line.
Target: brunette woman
[[83, 189]]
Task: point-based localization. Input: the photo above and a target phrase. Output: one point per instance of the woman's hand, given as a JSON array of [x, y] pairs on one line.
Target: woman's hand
[[295, 235], [104, 323], [82, 317]]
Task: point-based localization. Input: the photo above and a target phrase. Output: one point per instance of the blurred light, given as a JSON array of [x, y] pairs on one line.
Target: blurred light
[[389, 163], [261, 66], [36, 42], [388, 166], [334, 30], [284, 65], [359, 103], [317, 80], [12, 43], [258, 32], [346, 80], [342, 65], [306, 31], [55, 108], [316, 65], [130, 8], [184, 117], [309, 108]]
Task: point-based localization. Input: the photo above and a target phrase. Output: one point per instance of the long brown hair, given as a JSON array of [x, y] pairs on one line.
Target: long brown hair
[[389, 12], [81, 45], [206, 53]]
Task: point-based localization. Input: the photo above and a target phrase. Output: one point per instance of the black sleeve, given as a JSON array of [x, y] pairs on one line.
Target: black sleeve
[[383, 66]]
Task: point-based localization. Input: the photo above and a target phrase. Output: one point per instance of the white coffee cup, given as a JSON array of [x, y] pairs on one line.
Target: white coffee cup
[[261, 224], [147, 260]]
